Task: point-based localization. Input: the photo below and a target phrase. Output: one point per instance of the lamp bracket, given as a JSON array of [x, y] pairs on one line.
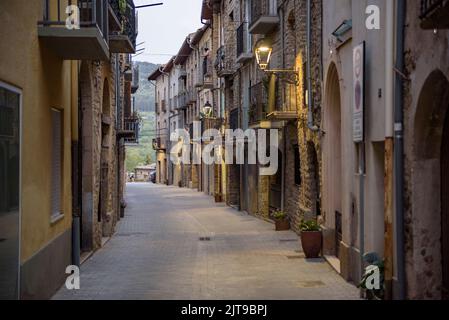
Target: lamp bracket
[[286, 72]]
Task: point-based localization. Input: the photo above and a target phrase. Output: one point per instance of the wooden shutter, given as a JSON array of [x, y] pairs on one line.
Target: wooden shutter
[[56, 163]]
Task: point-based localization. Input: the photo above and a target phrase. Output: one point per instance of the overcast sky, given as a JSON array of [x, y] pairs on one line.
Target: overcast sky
[[164, 28]]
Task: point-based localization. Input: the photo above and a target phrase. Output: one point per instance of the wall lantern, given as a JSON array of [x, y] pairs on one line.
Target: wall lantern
[[263, 53], [207, 110], [263, 50]]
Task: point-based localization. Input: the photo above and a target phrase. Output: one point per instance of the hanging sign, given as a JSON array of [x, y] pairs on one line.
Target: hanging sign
[[358, 92]]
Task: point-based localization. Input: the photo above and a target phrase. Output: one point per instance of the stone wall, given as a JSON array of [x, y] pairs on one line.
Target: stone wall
[[425, 108], [100, 151]]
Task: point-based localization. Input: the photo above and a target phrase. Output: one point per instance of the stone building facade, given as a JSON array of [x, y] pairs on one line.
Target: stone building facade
[[106, 112], [68, 97], [426, 125]]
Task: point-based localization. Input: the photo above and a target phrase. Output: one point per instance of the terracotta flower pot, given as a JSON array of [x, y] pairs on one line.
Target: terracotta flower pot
[[311, 243], [282, 224]]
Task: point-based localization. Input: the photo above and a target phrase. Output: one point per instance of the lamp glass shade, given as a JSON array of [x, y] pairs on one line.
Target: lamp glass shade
[[207, 109], [263, 55]]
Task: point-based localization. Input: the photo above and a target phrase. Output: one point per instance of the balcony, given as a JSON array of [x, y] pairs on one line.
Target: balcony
[[114, 22], [182, 100], [160, 143], [207, 73], [243, 44], [174, 104], [264, 17], [191, 96], [258, 104], [212, 123], [163, 106], [434, 14], [182, 72], [131, 128], [124, 40], [286, 110], [223, 63], [89, 42], [135, 79]]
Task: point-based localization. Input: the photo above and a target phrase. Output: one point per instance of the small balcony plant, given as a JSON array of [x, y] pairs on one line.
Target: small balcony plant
[[311, 238], [281, 220]]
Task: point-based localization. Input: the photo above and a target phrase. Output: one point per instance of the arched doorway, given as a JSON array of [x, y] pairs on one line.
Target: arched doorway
[[332, 162], [86, 132], [430, 188]]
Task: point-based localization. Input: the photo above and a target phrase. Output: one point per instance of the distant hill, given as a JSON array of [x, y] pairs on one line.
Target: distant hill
[[145, 95]]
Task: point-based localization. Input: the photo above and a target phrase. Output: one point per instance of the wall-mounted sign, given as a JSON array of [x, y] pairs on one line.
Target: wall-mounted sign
[[358, 92]]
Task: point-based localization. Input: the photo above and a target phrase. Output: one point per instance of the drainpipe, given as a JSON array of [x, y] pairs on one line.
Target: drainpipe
[[399, 150], [389, 149], [76, 206], [310, 123]]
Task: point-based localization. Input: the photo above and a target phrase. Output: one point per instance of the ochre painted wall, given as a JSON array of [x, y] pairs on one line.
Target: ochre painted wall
[[47, 82]]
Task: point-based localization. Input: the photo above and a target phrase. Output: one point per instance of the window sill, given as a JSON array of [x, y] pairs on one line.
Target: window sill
[[56, 219]]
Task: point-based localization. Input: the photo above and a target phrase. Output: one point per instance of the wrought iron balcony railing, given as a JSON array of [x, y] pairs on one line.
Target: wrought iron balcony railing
[[124, 40], [161, 140], [434, 14], [131, 127], [264, 17], [191, 96], [163, 106], [135, 80], [62, 35], [258, 104], [243, 43], [224, 63], [182, 100]]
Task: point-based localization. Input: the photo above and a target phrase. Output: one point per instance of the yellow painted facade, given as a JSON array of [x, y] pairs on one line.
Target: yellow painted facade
[[46, 82]]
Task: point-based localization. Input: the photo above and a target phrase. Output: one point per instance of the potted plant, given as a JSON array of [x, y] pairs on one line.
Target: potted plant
[[281, 220], [372, 282], [311, 238]]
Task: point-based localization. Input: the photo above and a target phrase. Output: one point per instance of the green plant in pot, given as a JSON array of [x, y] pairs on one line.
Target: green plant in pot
[[281, 220], [311, 238]]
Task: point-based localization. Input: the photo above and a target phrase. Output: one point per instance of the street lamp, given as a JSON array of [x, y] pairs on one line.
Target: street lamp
[[263, 50], [263, 53], [208, 110]]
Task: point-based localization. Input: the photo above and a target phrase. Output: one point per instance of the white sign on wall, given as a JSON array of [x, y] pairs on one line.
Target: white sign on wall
[[358, 92]]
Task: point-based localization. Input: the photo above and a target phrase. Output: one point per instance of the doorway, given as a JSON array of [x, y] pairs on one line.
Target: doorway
[[10, 100], [332, 161], [445, 207]]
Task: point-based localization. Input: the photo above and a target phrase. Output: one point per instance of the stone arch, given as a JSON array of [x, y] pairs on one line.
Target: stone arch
[[430, 172], [87, 145], [332, 162]]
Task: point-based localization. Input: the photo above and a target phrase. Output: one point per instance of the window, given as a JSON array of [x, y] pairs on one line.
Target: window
[[56, 164], [297, 165]]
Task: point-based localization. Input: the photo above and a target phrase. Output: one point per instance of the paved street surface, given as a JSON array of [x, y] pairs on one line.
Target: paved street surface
[[157, 254]]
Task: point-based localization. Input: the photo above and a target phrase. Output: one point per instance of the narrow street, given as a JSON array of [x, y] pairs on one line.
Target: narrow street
[[157, 253]]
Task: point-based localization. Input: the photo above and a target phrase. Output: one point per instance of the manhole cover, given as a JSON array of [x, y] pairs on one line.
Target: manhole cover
[[288, 240], [204, 238], [1, 239]]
